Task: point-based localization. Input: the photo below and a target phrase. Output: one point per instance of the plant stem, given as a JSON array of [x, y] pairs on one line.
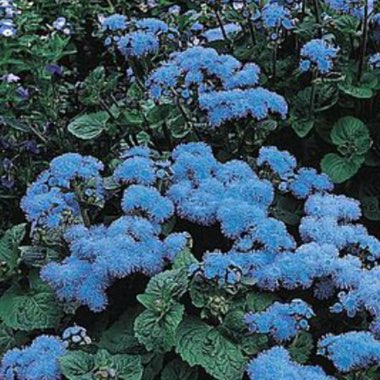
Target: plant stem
[[220, 23], [312, 96], [274, 64], [318, 17], [364, 43]]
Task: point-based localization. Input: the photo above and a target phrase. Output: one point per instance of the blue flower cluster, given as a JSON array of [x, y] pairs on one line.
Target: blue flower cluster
[[8, 11], [354, 7], [351, 351], [257, 103], [282, 167], [281, 321], [132, 243], [136, 37], [54, 199], [38, 361], [114, 23], [222, 85], [277, 364], [275, 19], [199, 70], [318, 55]]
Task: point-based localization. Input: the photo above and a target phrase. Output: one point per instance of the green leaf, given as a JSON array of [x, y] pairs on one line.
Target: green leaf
[[152, 364], [184, 259], [157, 332], [87, 127], [355, 91], [259, 301], [133, 118], [164, 288], [159, 113], [301, 347], [80, 365], [351, 133], [10, 339], [37, 256], [120, 337], [9, 255], [302, 127], [339, 168], [26, 310], [371, 207], [179, 370], [200, 344], [77, 365]]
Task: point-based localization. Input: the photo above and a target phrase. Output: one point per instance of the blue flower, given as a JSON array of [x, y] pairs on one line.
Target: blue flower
[[258, 103], [318, 54], [351, 351], [281, 321], [277, 364], [282, 163], [38, 361], [215, 34], [114, 22]]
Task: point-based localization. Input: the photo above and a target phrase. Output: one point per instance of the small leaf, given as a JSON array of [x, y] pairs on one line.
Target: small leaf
[[302, 127], [301, 347], [87, 127], [339, 168], [184, 259], [9, 255], [350, 131]]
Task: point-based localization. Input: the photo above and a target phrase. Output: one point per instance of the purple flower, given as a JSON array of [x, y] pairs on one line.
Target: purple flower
[[23, 93], [10, 78], [54, 69]]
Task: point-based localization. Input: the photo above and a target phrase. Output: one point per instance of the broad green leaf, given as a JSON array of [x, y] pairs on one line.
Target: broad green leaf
[[157, 332], [120, 337], [200, 344], [80, 365], [371, 207], [159, 113], [301, 347], [31, 309], [351, 133], [355, 91], [87, 127], [133, 118], [339, 168], [179, 370], [152, 364], [37, 256], [9, 254], [164, 288]]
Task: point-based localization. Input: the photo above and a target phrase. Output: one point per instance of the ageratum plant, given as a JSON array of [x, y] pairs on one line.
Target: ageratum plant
[[233, 290]]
